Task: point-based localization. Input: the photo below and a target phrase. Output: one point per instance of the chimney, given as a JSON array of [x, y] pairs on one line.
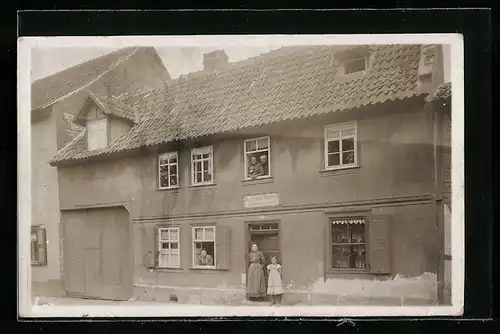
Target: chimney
[[215, 61]]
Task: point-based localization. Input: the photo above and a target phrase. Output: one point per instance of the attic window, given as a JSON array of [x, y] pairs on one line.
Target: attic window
[[355, 65], [97, 134]]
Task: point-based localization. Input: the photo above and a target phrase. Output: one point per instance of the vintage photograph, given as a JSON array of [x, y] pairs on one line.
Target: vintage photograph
[[241, 176]]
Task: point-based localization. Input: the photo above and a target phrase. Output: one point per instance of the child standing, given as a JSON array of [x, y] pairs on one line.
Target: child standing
[[274, 281]]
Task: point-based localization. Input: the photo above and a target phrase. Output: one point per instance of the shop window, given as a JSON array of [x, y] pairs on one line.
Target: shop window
[[202, 165], [257, 158], [341, 146], [38, 246], [360, 244], [168, 247], [168, 170], [348, 244], [97, 134]]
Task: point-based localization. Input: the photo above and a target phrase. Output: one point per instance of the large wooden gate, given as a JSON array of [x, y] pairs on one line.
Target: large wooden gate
[[97, 253]]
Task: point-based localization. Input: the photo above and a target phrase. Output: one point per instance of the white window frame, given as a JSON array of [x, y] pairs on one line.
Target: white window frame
[[245, 171], [194, 241], [91, 134], [210, 159], [168, 156], [346, 62], [340, 127], [161, 241]]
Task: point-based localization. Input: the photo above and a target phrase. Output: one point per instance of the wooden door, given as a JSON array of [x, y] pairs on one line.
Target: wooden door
[[268, 243], [92, 264]]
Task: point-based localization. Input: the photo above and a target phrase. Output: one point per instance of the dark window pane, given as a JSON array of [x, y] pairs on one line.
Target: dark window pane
[[164, 245], [205, 156], [198, 177], [340, 233], [333, 159], [207, 177], [355, 66], [348, 158], [174, 245], [348, 144], [173, 169], [333, 146], [173, 180], [357, 233], [173, 159], [340, 256], [163, 169], [198, 166], [163, 161], [205, 165]]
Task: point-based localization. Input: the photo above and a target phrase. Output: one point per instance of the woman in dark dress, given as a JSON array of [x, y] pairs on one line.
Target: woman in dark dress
[[256, 286]]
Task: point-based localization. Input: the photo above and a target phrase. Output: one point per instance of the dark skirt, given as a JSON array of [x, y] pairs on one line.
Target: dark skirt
[[256, 285]]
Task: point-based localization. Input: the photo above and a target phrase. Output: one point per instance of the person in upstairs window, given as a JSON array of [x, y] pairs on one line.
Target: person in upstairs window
[[205, 259], [255, 168], [264, 165]]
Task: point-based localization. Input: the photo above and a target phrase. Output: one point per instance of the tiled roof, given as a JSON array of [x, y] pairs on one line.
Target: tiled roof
[[73, 129], [288, 83], [51, 89], [442, 92]]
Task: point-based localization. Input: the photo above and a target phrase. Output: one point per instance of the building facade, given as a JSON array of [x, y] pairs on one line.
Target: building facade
[[54, 102], [323, 156]]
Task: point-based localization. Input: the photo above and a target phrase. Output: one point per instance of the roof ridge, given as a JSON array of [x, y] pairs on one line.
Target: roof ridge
[[111, 67]]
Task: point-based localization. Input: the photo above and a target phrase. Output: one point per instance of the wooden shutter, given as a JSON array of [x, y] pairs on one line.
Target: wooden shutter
[[222, 247], [42, 246], [379, 244], [149, 246]]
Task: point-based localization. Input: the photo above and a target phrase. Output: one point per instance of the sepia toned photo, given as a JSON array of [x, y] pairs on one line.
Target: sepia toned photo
[[237, 175]]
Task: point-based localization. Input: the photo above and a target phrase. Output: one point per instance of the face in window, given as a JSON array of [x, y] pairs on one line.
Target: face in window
[[263, 159], [253, 160]]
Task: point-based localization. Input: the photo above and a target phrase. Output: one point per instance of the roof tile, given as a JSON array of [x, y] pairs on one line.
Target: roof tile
[[289, 83]]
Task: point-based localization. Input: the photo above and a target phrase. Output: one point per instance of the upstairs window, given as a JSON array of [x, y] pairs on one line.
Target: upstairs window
[[202, 165], [355, 65], [169, 170], [257, 158], [341, 146], [97, 134], [38, 246]]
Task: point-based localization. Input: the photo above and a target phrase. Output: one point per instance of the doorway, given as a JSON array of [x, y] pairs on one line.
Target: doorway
[[266, 236]]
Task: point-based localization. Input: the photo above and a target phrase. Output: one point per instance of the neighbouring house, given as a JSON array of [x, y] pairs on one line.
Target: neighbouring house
[[441, 102], [54, 102], [323, 155]]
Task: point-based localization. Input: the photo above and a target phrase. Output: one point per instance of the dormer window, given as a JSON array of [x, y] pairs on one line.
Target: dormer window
[[355, 65], [97, 134]]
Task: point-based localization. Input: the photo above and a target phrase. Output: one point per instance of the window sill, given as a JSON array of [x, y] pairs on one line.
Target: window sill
[[202, 185], [168, 188], [348, 271], [266, 179], [38, 265], [167, 269], [207, 269], [339, 170]]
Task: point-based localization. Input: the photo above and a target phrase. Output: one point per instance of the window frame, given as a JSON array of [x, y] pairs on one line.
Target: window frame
[[245, 160], [35, 230], [95, 121], [194, 265], [210, 160], [169, 154], [331, 244], [159, 241], [340, 127], [351, 60]]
